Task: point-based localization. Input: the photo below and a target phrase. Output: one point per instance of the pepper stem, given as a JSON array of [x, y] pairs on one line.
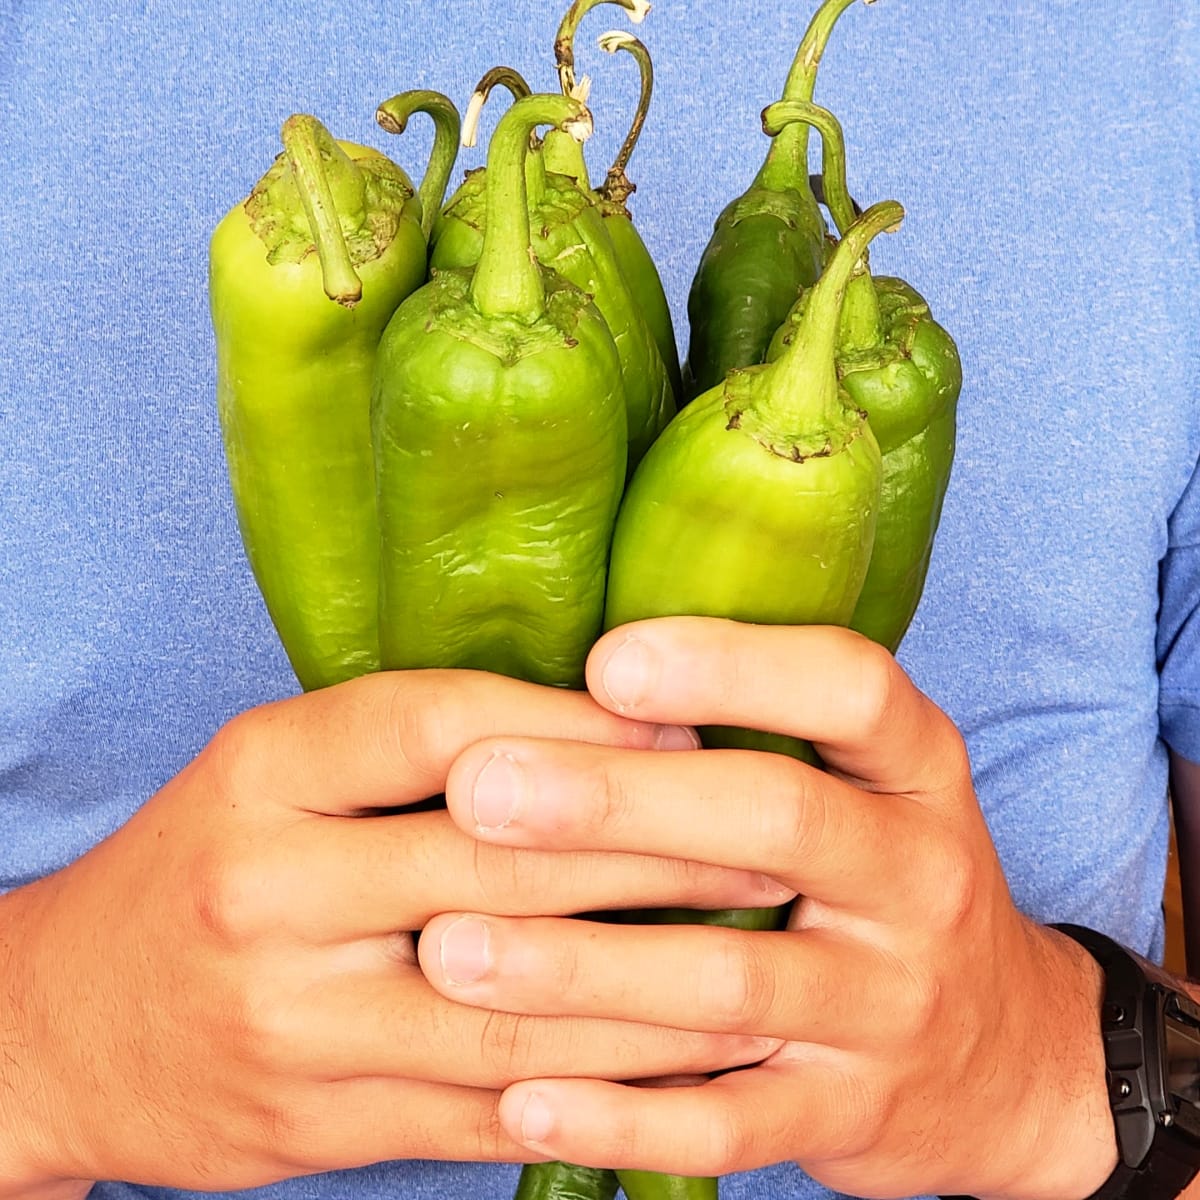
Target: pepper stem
[[778, 116], [508, 279], [393, 115], [617, 187], [514, 81], [313, 155], [860, 322], [807, 369], [507, 77], [786, 165], [564, 39]]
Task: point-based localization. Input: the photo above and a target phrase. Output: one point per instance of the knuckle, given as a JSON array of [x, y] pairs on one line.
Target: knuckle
[[951, 891], [792, 816], [413, 730], [506, 1042], [234, 759], [224, 901], [287, 1135], [872, 696], [730, 1147], [741, 988]]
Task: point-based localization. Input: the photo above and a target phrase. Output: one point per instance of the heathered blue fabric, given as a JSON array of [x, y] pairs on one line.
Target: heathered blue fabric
[[1047, 155]]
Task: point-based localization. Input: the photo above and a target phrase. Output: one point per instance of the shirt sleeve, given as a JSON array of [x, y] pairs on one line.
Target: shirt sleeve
[[1179, 627]]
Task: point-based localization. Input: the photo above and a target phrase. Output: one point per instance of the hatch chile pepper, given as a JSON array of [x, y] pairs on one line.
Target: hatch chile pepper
[[498, 423], [303, 277], [766, 245], [758, 503], [568, 236], [611, 198], [903, 369]]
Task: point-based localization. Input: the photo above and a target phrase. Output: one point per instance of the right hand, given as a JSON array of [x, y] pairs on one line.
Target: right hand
[[222, 993]]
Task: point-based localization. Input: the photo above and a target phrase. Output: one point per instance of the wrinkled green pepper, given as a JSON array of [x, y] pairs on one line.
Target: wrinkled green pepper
[[611, 197], [569, 237], [902, 368], [499, 432], [766, 245], [303, 277]]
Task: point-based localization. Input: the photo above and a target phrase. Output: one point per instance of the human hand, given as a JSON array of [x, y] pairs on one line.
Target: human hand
[[220, 994], [936, 1040]]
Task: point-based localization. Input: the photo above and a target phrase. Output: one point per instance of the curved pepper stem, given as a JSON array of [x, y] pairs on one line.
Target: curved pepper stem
[[508, 279], [563, 155], [508, 77], [778, 116], [325, 174], [617, 188], [564, 39], [514, 81], [393, 115], [860, 323], [804, 379], [786, 165]]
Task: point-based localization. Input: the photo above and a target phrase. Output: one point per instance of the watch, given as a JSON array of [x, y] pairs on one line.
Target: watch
[[1151, 1033]]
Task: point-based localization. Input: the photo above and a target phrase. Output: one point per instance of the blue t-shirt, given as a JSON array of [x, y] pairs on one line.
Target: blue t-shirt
[[1047, 157]]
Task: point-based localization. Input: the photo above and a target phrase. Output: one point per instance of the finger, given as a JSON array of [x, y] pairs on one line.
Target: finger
[[396, 872], [358, 1122], [760, 812], [395, 1024], [739, 1121], [828, 685], [389, 738], [808, 987]]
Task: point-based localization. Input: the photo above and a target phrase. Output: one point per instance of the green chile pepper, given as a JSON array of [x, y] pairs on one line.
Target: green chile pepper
[[766, 245], [565, 1181], [303, 277], [903, 369], [499, 434], [757, 503], [637, 265], [570, 238]]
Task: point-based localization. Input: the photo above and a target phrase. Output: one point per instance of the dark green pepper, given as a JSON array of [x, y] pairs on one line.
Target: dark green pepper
[[565, 1181], [765, 246], [303, 277], [569, 236], [903, 369], [611, 197], [499, 434]]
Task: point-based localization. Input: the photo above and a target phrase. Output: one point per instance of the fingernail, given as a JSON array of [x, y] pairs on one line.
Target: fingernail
[[496, 796], [537, 1121], [675, 737], [627, 674], [466, 951], [772, 887]]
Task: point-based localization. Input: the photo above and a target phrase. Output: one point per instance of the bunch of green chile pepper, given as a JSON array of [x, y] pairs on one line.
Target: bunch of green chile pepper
[[303, 277], [452, 429], [766, 245]]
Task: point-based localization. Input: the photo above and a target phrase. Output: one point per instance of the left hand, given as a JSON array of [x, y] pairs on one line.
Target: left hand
[[935, 1039]]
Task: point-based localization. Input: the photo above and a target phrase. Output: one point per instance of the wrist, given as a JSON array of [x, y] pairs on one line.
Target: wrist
[[1062, 1142], [25, 1170]]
